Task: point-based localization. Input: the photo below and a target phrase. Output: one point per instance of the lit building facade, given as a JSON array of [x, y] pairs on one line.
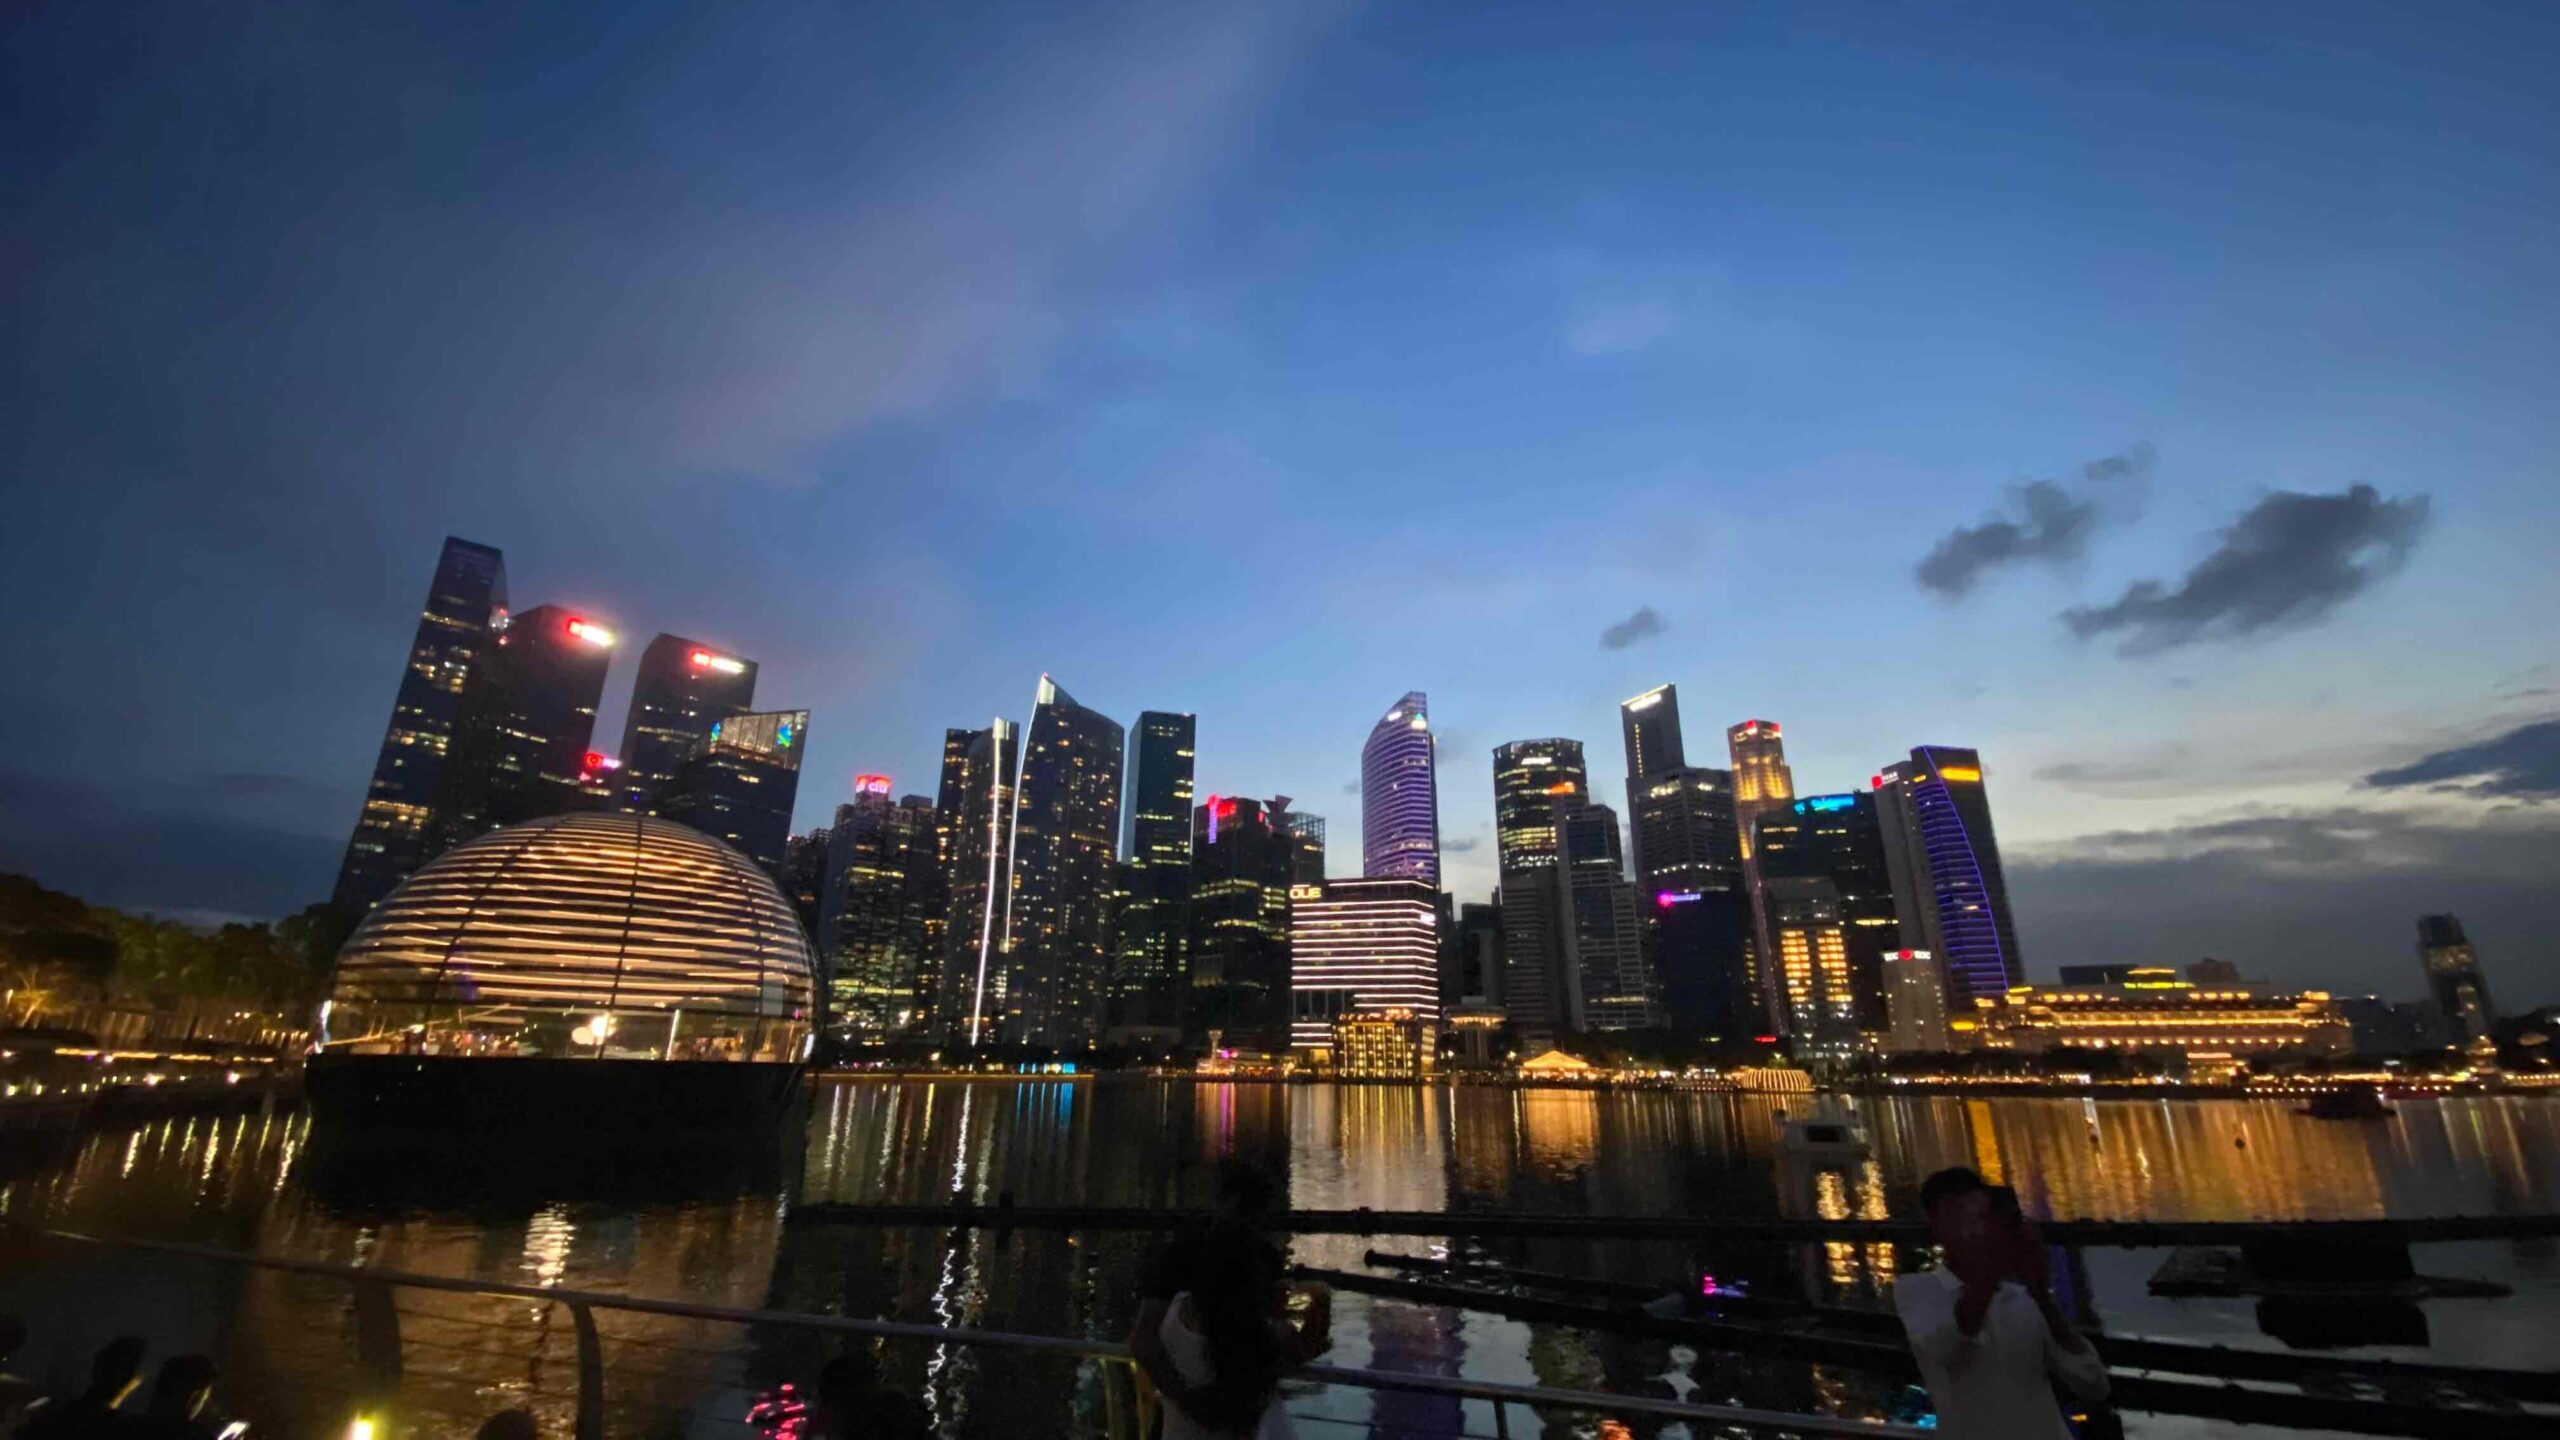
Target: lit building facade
[[1066, 828], [1649, 727], [874, 933], [1812, 941], [977, 818], [1361, 945], [467, 594], [1531, 779], [742, 784], [1306, 841], [1916, 1003], [683, 688], [2214, 1028], [1242, 873], [1837, 838], [2454, 980], [1601, 922], [1154, 925], [1400, 795], [1385, 1045], [1761, 782], [1949, 891]]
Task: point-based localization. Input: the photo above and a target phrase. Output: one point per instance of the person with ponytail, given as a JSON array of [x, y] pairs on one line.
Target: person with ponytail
[[1230, 1341]]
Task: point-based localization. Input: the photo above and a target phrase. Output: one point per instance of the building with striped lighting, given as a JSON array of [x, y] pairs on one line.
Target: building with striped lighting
[[1361, 945], [592, 967]]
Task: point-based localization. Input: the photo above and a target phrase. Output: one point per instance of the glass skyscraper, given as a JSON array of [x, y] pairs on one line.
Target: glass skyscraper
[[1066, 829], [1243, 866], [393, 833], [1950, 895], [1837, 838], [742, 783], [980, 773], [1599, 923], [1541, 989], [882, 877], [519, 747], [683, 688], [1400, 796], [1155, 921]]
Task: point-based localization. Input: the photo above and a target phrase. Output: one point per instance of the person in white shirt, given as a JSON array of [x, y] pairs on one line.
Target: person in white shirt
[[1990, 1340]]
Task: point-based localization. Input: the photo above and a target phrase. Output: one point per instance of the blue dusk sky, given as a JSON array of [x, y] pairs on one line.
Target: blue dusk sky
[[2159, 398]]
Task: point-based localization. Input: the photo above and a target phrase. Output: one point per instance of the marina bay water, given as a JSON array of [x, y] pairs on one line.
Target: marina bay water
[[735, 1235]]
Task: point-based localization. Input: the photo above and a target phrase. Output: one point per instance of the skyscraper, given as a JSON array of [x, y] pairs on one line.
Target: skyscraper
[[1949, 892], [1916, 1001], [882, 872], [1400, 795], [467, 593], [1650, 727], [1153, 963], [977, 815], [741, 783], [1837, 838], [1761, 781], [520, 737], [1531, 778], [2454, 980], [1243, 867], [1306, 834], [683, 688], [1599, 923], [1812, 949], [1369, 944], [1065, 830]]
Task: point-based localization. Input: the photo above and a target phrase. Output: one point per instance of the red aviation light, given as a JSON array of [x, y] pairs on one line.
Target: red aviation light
[[705, 660], [591, 632]]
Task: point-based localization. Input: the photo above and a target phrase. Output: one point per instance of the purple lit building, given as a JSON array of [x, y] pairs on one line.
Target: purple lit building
[[1949, 894], [1399, 797]]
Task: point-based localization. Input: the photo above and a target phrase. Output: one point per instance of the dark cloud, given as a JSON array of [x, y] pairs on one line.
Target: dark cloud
[[2522, 764], [1642, 625], [1351, 789], [1462, 846], [2323, 898], [2289, 560], [2050, 524]]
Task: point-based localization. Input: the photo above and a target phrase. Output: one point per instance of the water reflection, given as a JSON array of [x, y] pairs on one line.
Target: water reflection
[[723, 1234]]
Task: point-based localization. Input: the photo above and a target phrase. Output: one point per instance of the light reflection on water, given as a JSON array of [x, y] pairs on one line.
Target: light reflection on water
[[247, 1182]]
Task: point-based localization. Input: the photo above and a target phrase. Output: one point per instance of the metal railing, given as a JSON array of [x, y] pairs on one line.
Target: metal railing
[[379, 1353]]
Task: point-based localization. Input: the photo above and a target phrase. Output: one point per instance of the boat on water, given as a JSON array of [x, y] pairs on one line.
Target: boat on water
[[1821, 1137], [2362, 1103]]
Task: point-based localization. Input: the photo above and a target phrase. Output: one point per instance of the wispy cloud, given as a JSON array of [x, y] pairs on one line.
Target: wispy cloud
[[2045, 523], [1635, 629], [2290, 560]]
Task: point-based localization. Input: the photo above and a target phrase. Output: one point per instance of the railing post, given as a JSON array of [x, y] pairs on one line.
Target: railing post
[[1501, 1420], [377, 1355], [1115, 1418], [590, 1425]]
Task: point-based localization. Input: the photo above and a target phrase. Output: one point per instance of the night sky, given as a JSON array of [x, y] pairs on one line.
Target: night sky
[[2161, 402]]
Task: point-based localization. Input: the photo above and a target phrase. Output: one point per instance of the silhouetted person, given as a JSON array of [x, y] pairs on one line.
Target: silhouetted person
[[16, 1392], [1990, 1340], [91, 1415], [1246, 1195], [176, 1407], [509, 1425], [1228, 1340]]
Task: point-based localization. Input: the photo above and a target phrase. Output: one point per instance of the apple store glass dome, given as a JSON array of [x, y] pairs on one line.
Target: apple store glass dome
[[617, 937]]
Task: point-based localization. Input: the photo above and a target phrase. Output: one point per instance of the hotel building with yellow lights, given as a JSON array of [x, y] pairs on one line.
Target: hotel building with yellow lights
[[2214, 1026]]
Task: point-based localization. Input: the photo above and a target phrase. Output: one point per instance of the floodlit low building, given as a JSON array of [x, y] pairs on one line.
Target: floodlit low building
[[2213, 1026], [1394, 1044]]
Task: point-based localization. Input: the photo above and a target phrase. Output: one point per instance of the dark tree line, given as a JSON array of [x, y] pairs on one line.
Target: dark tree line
[[58, 952]]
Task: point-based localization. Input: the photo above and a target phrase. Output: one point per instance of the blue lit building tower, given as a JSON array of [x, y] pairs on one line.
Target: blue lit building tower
[[394, 831], [1155, 921], [1943, 861], [1400, 796]]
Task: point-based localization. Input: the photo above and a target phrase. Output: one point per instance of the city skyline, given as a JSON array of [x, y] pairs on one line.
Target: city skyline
[[1966, 415]]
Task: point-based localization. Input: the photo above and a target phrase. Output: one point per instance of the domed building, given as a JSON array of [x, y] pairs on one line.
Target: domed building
[[589, 971]]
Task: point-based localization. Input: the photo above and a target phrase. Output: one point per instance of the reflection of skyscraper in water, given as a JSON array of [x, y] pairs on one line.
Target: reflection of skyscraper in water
[[1387, 1148]]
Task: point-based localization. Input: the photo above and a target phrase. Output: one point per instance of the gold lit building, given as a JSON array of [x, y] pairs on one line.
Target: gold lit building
[[1385, 1045], [2213, 1026]]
